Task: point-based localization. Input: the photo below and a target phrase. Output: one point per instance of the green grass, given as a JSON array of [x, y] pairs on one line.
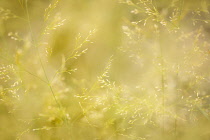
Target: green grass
[[104, 70]]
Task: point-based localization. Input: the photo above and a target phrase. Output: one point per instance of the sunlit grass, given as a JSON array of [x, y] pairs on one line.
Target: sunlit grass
[[104, 70]]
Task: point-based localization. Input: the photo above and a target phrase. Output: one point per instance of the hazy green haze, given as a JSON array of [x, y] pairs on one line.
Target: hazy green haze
[[104, 70]]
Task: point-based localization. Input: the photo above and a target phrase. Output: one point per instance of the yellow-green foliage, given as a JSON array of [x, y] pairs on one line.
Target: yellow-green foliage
[[104, 70]]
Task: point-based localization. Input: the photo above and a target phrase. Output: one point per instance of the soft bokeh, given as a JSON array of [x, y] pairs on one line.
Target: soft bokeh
[[104, 69]]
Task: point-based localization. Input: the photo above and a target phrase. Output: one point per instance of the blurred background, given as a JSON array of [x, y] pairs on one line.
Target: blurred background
[[104, 70]]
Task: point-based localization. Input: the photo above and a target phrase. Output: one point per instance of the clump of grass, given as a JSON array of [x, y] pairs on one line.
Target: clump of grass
[[58, 81]]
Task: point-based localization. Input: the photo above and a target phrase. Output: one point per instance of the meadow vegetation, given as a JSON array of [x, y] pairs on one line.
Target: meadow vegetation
[[104, 70]]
